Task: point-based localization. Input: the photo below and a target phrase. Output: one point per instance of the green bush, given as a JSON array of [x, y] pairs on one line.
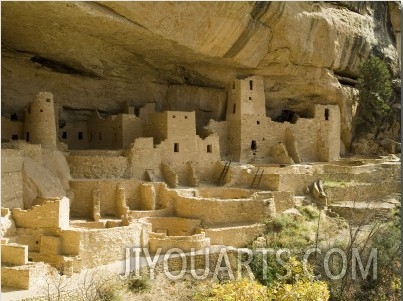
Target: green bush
[[138, 285]]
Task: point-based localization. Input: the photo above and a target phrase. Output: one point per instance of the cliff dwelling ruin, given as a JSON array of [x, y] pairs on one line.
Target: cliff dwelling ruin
[[179, 158]]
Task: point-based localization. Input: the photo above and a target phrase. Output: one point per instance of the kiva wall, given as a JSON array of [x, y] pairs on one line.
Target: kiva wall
[[84, 189]]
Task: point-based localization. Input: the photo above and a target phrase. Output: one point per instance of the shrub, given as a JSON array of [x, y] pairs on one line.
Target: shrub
[[298, 287], [138, 285]]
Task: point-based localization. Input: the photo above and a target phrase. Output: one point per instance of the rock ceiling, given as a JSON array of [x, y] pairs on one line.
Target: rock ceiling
[[100, 54]]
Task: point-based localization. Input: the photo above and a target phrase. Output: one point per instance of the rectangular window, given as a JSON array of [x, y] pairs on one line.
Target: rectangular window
[[234, 108], [326, 114], [250, 85], [100, 136], [176, 147], [90, 136], [27, 137], [233, 85], [80, 135], [14, 137], [258, 122], [209, 148], [253, 145], [64, 135]]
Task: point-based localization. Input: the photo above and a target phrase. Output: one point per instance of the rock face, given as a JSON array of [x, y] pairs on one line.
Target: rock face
[[102, 54]]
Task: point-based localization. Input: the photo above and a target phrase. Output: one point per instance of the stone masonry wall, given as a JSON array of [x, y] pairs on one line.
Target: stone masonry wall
[[51, 214], [11, 179]]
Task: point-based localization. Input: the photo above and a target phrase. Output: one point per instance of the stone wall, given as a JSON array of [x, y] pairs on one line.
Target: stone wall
[[83, 191], [51, 214], [87, 166], [11, 130], [207, 102], [14, 254], [184, 243], [24, 277], [11, 179], [219, 212], [235, 236], [113, 132], [75, 135], [101, 246], [40, 121], [174, 226], [34, 151], [359, 192]]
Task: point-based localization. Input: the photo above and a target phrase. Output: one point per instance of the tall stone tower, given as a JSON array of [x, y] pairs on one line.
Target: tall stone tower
[[40, 123], [246, 104]]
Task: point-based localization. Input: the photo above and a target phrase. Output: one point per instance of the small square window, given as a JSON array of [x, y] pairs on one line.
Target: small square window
[[186, 117], [14, 137], [173, 116], [258, 122], [47, 99], [250, 98]]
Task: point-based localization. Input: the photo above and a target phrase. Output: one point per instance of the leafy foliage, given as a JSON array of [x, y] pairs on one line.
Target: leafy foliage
[[294, 288], [375, 90]]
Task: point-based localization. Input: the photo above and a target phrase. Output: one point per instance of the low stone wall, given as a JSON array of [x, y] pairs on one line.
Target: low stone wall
[[137, 214], [360, 191], [173, 226], [184, 243], [283, 200], [97, 166], [14, 254], [102, 246], [51, 214], [24, 277], [34, 151], [220, 212], [237, 236], [223, 193]]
